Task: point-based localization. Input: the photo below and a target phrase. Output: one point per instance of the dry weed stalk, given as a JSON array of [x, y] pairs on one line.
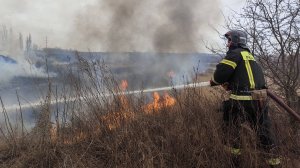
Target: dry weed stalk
[[104, 129]]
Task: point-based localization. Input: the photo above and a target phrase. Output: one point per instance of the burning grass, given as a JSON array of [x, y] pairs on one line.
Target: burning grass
[[180, 128]]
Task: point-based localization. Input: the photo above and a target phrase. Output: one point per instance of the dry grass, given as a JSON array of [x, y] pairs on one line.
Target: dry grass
[[98, 130]]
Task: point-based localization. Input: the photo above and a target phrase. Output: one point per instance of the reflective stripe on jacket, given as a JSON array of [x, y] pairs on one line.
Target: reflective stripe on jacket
[[241, 71]]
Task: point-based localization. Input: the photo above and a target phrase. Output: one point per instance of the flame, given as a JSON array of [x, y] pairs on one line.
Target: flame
[[158, 102], [114, 120], [168, 100], [123, 99], [123, 86]]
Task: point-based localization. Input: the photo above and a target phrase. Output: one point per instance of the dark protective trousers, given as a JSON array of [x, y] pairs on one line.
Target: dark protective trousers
[[237, 112]]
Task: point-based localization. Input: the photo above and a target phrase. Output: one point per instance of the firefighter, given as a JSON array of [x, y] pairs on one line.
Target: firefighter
[[240, 74]]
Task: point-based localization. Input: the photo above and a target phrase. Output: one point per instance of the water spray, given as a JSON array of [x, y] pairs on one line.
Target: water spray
[[62, 100], [176, 87]]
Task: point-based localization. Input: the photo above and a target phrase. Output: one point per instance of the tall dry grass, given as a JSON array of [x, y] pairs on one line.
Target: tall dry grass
[[118, 130]]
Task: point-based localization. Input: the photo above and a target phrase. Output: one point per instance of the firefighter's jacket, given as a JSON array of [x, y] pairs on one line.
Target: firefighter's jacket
[[240, 70]]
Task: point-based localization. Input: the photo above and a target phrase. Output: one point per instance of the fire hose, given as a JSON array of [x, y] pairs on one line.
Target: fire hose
[[283, 105], [191, 85], [270, 94]]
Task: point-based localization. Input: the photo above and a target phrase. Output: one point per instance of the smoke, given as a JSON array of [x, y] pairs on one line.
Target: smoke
[[14, 62], [165, 26], [173, 26], [118, 25], [19, 68], [41, 19], [140, 25], [180, 31]]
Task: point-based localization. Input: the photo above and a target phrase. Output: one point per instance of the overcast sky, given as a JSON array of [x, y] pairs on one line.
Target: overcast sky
[[163, 25]]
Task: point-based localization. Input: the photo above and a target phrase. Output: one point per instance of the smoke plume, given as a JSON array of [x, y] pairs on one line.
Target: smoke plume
[[114, 25], [166, 26], [140, 25], [173, 26]]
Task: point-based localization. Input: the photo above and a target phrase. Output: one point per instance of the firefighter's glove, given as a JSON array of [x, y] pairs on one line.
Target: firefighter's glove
[[225, 86], [212, 83]]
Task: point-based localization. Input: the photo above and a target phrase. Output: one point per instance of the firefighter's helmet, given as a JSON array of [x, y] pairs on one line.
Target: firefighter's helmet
[[236, 38]]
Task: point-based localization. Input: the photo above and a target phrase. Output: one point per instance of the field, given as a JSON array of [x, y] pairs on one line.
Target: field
[[180, 128]]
